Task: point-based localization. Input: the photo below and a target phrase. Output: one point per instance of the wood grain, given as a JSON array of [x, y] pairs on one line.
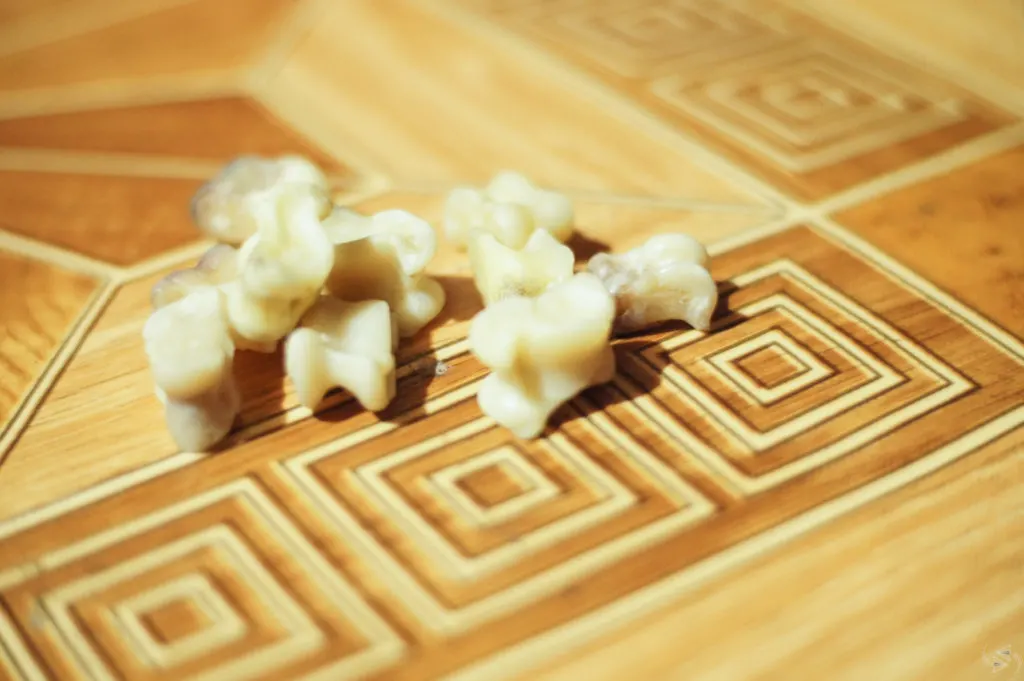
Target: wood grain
[[118, 219], [890, 592], [824, 485], [962, 230], [38, 303], [202, 37], [217, 129], [11, 10], [488, 109]]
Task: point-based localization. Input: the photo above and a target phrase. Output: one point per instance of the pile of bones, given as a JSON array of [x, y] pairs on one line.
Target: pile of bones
[[341, 290]]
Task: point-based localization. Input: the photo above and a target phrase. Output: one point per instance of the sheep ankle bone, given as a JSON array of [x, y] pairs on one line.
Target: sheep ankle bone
[[510, 208], [382, 258], [218, 266], [282, 269], [343, 344], [664, 278], [550, 210], [190, 353], [500, 271], [543, 351], [221, 207]]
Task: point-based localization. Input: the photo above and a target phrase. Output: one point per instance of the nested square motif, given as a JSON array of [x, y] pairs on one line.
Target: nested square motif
[[810, 106], [827, 381], [587, 497], [864, 378], [220, 586], [770, 367]]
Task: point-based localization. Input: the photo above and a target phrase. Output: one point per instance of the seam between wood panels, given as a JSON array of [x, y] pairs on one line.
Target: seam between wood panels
[[37, 515], [955, 158], [904, 276], [274, 55], [130, 92], [57, 256], [366, 175], [182, 255], [106, 163], [59, 357], [443, 188]]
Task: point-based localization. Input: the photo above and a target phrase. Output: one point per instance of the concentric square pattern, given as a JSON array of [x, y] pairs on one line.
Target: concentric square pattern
[[216, 588], [782, 94], [583, 505], [858, 377], [434, 530], [809, 108]]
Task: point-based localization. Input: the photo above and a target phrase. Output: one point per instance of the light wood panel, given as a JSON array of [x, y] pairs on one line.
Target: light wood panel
[[215, 129], [962, 230], [428, 101], [119, 219], [825, 485], [39, 302], [199, 37]]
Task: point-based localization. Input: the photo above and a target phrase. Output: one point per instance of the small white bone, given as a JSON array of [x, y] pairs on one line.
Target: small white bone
[[664, 278], [190, 352], [543, 351], [343, 344], [500, 271], [468, 210], [551, 211], [510, 208], [382, 258], [218, 266], [282, 269], [221, 208]]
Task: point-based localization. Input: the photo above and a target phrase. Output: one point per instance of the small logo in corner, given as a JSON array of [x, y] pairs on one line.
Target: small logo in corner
[[1003, 661]]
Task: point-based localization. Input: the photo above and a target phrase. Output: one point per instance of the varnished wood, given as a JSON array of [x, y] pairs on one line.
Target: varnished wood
[[962, 230], [825, 485], [39, 303]]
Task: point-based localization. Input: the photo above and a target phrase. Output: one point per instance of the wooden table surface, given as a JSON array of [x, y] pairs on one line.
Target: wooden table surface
[[829, 485]]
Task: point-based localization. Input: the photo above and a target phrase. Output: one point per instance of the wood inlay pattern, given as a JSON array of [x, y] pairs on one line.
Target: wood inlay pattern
[[824, 485]]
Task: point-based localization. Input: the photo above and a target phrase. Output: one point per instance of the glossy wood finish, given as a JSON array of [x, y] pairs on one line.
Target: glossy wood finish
[[827, 485]]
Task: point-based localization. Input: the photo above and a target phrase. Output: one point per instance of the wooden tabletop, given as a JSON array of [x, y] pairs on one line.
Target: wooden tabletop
[[828, 485]]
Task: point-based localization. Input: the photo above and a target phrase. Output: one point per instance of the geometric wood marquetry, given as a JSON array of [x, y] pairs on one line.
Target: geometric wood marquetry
[[867, 379], [771, 366], [825, 379], [833, 460], [211, 550], [458, 570], [805, 107]]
